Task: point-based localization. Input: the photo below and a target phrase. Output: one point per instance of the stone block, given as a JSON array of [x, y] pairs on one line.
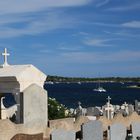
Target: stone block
[[135, 129], [60, 134], [35, 110], [117, 132], [92, 131]]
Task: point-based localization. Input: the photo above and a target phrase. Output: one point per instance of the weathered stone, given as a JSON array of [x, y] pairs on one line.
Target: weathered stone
[[35, 106], [135, 129], [8, 130], [20, 79], [60, 134], [29, 111], [92, 131], [65, 123], [93, 111], [117, 132]]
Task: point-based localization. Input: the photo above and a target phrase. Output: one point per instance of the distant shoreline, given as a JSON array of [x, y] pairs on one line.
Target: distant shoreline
[[85, 80], [134, 86]]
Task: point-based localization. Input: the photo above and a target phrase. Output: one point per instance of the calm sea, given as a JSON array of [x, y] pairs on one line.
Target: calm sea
[[70, 93]]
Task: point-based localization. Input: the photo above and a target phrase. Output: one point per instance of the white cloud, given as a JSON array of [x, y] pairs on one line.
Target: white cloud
[[101, 57], [104, 2], [69, 48], [128, 7], [9, 19], [27, 18], [98, 42], [124, 33], [17, 6], [132, 24], [105, 24], [33, 26]]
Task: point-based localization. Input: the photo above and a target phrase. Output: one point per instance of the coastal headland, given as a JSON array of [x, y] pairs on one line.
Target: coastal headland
[[84, 79]]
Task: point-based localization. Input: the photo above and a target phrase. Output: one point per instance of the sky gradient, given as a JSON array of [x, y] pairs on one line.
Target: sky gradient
[[75, 38]]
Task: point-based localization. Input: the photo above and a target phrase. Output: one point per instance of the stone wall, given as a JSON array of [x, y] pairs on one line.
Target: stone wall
[[66, 123], [8, 130]]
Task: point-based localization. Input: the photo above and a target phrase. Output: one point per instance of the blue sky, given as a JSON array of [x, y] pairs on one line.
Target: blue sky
[[80, 38]]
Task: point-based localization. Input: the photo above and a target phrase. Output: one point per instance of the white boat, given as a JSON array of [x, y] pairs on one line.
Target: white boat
[[49, 82], [100, 89], [79, 83], [122, 83]]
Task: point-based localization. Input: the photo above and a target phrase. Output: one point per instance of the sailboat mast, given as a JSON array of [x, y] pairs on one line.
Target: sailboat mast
[[99, 83]]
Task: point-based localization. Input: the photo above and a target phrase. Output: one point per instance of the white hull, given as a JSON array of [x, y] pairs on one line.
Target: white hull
[[100, 89]]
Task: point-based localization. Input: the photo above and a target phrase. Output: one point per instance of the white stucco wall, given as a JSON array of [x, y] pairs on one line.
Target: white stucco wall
[[31, 75], [19, 77]]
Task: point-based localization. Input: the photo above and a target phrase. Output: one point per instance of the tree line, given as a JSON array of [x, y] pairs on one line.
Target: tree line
[[84, 79]]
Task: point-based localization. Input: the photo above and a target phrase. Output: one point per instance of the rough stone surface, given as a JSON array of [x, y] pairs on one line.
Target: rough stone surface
[[93, 111], [35, 106], [92, 131], [28, 137], [60, 134], [8, 130], [136, 129], [117, 132], [66, 123], [126, 121]]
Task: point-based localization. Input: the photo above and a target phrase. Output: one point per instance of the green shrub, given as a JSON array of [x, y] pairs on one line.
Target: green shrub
[[55, 109]]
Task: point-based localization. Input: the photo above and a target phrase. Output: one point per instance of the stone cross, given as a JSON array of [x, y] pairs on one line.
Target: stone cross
[[5, 54], [125, 104], [79, 103], [109, 108], [108, 98]]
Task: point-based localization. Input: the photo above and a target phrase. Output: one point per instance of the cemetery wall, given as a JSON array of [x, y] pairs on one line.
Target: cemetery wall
[[68, 127], [66, 123], [8, 130]]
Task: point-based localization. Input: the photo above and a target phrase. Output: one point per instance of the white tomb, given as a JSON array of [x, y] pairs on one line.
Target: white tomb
[[108, 109], [18, 77], [15, 79]]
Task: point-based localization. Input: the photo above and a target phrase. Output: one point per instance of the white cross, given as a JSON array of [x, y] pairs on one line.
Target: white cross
[[125, 104], [108, 98], [5, 54], [79, 103]]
